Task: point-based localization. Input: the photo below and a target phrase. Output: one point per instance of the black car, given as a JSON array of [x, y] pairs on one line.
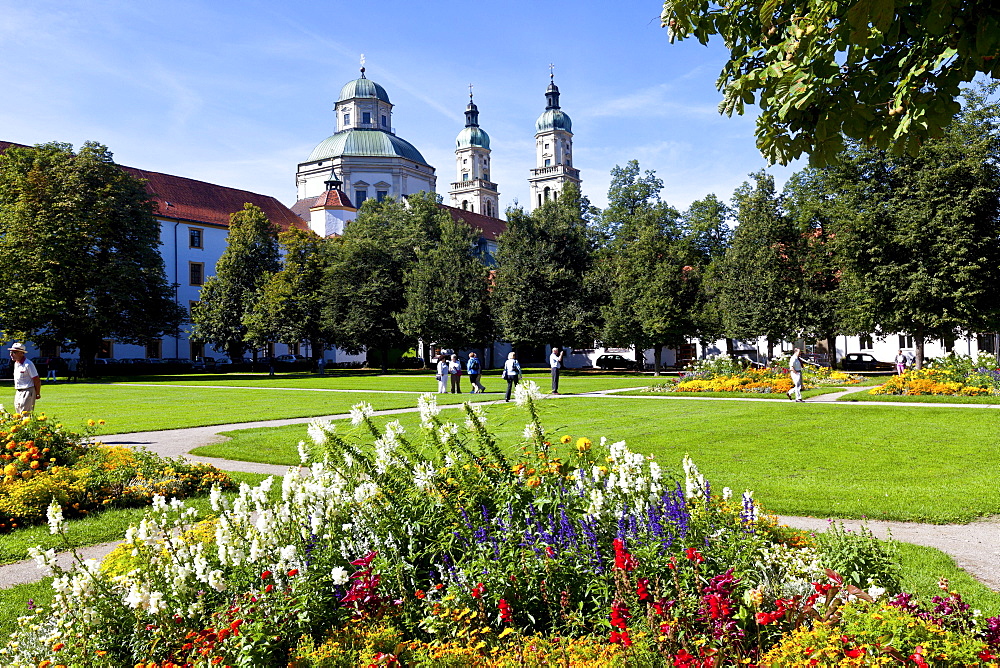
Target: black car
[[614, 362], [863, 362]]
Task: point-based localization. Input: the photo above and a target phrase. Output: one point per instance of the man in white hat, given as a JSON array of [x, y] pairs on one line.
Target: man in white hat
[[27, 384]]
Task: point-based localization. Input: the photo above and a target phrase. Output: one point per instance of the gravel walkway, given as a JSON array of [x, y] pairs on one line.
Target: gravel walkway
[[975, 546]]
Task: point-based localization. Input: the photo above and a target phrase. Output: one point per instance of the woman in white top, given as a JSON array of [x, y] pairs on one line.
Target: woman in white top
[[455, 372], [442, 374], [900, 362], [511, 372]]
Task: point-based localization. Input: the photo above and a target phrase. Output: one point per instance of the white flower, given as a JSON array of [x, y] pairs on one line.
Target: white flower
[[448, 431], [428, 410], [694, 481], [749, 507], [339, 575], [55, 516], [318, 430], [727, 493], [303, 453], [423, 475], [529, 431], [525, 391], [360, 412]]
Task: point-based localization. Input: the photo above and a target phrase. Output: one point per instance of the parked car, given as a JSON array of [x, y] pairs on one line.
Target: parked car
[[203, 364], [223, 361], [614, 362], [863, 362], [291, 358]]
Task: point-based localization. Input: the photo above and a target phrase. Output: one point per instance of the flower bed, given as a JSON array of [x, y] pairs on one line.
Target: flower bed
[[446, 549], [928, 382], [42, 461]]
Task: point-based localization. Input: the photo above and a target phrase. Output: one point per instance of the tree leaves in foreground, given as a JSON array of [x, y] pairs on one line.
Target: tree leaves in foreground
[[228, 297], [884, 73], [79, 251]]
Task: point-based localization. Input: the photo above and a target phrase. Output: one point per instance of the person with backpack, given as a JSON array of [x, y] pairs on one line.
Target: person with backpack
[[474, 370], [511, 372]]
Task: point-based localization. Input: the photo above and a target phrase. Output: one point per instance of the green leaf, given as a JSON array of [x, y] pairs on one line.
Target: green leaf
[[883, 11]]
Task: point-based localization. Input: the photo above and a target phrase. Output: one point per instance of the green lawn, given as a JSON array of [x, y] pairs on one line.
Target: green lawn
[[729, 395], [145, 404], [901, 463], [920, 399]]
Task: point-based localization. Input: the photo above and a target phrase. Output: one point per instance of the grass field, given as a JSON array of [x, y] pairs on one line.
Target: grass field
[[142, 404], [920, 399], [729, 395], [881, 462]]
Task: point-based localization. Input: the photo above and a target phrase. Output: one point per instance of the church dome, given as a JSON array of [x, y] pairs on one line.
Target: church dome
[[362, 88], [554, 119], [365, 143], [472, 136]]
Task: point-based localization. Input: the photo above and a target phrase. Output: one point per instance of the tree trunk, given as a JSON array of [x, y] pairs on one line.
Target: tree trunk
[[385, 359], [657, 351], [730, 348], [831, 344], [640, 358], [770, 349], [919, 344]]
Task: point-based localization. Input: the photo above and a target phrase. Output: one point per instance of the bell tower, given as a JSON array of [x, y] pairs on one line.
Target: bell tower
[[473, 190]]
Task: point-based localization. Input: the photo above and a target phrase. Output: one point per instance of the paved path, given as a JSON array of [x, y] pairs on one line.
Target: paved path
[[975, 547]]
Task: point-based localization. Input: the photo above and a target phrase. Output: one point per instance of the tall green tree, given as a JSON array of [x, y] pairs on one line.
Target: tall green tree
[[920, 241], [650, 264], [446, 288], [79, 251], [541, 295], [759, 280], [228, 298], [884, 73], [707, 226], [290, 306]]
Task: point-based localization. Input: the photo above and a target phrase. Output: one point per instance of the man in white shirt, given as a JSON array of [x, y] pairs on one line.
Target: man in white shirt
[[27, 384], [555, 361], [795, 370]]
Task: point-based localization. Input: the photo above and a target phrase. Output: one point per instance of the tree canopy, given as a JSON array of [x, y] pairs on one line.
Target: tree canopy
[[79, 251], [228, 298], [885, 73]]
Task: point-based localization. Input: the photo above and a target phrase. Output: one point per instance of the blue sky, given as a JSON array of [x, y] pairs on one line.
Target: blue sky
[[237, 93]]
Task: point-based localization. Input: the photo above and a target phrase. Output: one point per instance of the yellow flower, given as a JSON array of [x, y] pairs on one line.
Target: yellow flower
[[583, 444], [565, 440], [90, 423]]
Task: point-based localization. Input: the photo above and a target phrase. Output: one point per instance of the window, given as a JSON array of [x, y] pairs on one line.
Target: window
[[548, 163], [486, 175], [948, 345], [547, 191], [905, 341], [489, 209], [465, 205], [380, 195], [465, 161], [293, 349], [366, 117], [153, 349], [465, 177], [986, 342], [359, 197], [866, 342], [194, 237], [48, 350], [106, 348], [196, 271], [384, 123], [347, 119], [539, 199], [546, 146]]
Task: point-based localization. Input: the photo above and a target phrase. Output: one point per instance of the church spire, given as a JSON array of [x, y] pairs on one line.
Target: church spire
[[552, 92], [473, 190], [471, 112]]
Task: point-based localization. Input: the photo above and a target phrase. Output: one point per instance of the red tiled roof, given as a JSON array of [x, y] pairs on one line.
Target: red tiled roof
[[488, 226], [332, 198], [187, 199]]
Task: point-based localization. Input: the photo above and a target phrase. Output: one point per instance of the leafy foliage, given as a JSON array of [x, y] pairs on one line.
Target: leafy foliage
[[229, 296], [79, 251], [879, 72]]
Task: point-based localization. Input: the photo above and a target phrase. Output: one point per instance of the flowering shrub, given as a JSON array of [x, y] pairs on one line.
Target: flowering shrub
[[41, 461], [928, 382], [447, 550]]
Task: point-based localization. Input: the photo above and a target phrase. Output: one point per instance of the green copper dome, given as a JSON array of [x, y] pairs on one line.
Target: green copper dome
[[362, 88], [472, 136], [372, 143], [556, 119]]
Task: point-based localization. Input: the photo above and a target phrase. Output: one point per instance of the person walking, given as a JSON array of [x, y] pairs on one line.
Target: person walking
[[53, 369], [455, 373], [555, 362], [511, 373], [72, 369], [442, 374], [27, 384], [900, 363], [795, 370], [474, 370]]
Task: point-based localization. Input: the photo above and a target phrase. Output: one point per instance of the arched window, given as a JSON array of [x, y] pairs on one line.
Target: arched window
[[465, 205], [547, 191], [489, 209]]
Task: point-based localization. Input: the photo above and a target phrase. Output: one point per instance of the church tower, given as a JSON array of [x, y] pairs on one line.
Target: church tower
[[473, 190], [553, 151]]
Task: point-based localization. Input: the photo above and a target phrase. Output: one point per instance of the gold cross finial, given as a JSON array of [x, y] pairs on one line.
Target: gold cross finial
[[470, 91], [552, 71]]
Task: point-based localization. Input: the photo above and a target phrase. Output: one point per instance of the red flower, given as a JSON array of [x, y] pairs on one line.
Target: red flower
[[855, 653], [419, 593], [549, 551], [693, 554], [505, 614], [917, 657], [623, 560], [985, 655], [642, 589], [764, 618], [619, 615], [364, 561], [268, 588], [265, 575], [477, 591], [292, 573]]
